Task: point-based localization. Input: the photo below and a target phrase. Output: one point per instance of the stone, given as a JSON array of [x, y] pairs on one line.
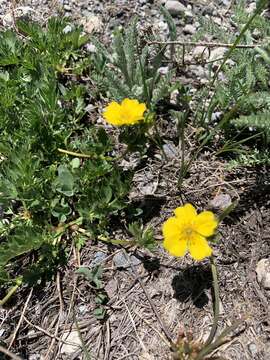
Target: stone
[[200, 53], [121, 261], [67, 7], [71, 337], [217, 53], [263, 273], [170, 150], [163, 70], [220, 202], [111, 288], [98, 258], [251, 8], [175, 7], [91, 24], [252, 349], [7, 20], [91, 48], [189, 29]]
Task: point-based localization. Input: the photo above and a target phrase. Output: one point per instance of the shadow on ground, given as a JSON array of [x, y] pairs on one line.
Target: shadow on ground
[[192, 283]]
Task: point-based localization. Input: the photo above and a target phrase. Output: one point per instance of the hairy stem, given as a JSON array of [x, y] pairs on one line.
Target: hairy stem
[[216, 303]]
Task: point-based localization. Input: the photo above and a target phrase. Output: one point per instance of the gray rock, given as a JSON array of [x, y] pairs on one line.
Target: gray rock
[[252, 349], [189, 29], [67, 7], [121, 261], [74, 338], [251, 8], [98, 258], [91, 48], [217, 53], [220, 202], [263, 273], [170, 150], [200, 53], [175, 7], [163, 70]]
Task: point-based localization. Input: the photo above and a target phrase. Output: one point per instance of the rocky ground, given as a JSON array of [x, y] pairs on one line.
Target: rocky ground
[[179, 290]]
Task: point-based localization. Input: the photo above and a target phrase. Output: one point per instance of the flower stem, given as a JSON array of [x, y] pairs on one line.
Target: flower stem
[[11, 292], [87, 156], [216, 303]]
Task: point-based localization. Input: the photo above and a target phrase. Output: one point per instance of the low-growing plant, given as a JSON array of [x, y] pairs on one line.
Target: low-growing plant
[[130, 68], [45, 192], [242, 99]]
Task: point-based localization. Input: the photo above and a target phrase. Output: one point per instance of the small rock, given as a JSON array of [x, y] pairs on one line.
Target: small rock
[[199, 71], [7, 20], [98, 258], [67, 7], [263, 273], [91, 48], [216, 116], [121, 261], [83, 309], [175, 7], [217, 53], [111, 288], [200, 52], [251, 8], [162, 25], [74, 338], [170, 150], [91, 24], [174, 98], [220, 202], [163, 70], [34, 357], [252, 349], [189, 29]]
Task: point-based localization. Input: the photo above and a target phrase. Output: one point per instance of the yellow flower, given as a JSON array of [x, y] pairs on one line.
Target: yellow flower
[[129, 112], [187, 231]]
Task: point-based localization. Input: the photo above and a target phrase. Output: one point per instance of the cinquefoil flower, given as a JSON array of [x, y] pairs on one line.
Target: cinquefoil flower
[[129, 112], [187, 231]]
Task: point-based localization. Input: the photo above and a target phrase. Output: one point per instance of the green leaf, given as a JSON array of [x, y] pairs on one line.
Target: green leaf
[[100, 313], [92, 275], [65, 181]]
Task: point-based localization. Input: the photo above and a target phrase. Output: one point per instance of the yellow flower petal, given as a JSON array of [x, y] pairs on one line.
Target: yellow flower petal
[[186, 212], [129, 112], [199, 248], [170, 228], [205, 223], [112, 113], [175, 248], [172, 240]]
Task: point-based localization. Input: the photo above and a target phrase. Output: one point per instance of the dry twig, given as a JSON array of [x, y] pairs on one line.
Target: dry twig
[[21, 319], [10, 354], [61, 309], [206, 44]]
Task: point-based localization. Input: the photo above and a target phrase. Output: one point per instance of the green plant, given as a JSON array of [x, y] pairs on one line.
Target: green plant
[[45, 192], [94, 277], [129, 68], [242, 99]]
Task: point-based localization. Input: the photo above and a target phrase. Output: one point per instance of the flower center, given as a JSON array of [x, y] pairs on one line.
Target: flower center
[[188, 232]]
